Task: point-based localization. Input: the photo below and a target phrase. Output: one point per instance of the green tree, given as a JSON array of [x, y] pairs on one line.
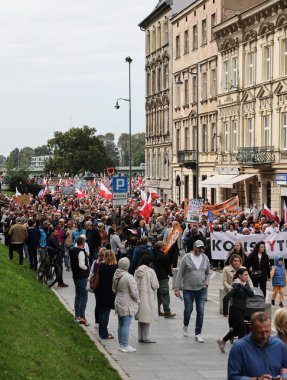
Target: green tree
[[138, 143], [76, 151], [2, 160], [19, 158], [42, 151], [109, 142]]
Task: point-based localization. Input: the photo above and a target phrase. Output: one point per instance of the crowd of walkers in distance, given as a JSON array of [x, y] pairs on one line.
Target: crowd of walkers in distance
[[125, 257]]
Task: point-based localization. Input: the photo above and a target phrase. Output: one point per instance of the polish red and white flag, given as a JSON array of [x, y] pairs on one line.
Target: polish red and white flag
[[153, 193], [105, 192], [80, 193], [146, 209], [285, 213], [267, 212]]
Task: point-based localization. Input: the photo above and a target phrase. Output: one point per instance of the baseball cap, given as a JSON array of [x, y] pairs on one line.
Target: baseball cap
[[198, 244]]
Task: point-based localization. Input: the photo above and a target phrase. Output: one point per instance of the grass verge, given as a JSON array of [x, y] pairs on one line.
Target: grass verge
[[38, 337]]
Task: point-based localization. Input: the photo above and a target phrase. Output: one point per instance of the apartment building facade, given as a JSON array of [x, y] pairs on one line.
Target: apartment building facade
[[252, 105]]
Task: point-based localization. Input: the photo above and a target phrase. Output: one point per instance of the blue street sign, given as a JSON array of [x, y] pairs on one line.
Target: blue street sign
[[120, 184]]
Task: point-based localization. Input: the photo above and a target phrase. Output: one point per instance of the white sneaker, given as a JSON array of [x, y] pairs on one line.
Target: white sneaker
[[199, 338], [185, 331], [120, 347], [128, 349]]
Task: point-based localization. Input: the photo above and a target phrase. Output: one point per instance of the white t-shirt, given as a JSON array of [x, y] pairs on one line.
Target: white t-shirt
[[196, 260]]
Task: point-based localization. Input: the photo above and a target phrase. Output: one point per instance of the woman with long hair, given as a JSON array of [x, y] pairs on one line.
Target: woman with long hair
[[238, 250], [237, 296], [259, 267], [94, 269], [106, 296]]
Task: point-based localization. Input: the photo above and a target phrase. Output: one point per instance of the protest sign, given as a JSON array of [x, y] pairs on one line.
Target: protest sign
[[230, 206], [222, 243], [68, 190], [172, 239], [23, 199], [194, 210]]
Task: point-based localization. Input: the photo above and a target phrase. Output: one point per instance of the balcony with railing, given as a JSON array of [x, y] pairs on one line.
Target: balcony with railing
[[256, 155], [187, 158]]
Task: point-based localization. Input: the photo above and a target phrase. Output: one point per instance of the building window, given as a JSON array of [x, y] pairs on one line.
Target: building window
[[194, 37], [203, 32], [177, 46], [178, 139], [186, 138], [186, 42], [250, 132], [165, 34], [213, 137], [212, 23], [194, 89], [177, 93], [153, 40], [204, 86], [186, 187], [267, 62], [165, 77], [148, 43], [148, 84], [285, 131], [204, 190], [234, 137], [159, 80], [234, 72], [194, 137], [213, 83], [153, 84], [285, 57], [266, 127], [225, 76], [250, 64], [226, 137], [204, 138], [159, 37], [186, 92]]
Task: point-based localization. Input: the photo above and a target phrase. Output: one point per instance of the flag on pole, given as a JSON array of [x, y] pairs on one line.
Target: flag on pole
[[80, 193], [41, 193], [267, 212], [153, 193], [210, 216], [105, 192], [146, 209], [143, 198]]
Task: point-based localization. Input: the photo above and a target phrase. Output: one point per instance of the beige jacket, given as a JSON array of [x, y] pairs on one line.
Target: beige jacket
[[18, 233], [126, 291], [147, 286], [227, 278]]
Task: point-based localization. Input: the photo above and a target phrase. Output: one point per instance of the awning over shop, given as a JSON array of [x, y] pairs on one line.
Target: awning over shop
[[217, 180], [230, 182], [224, 180]]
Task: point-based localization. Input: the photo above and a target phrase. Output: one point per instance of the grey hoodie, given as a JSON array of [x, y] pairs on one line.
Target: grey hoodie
[[127, 296], [191, 278]]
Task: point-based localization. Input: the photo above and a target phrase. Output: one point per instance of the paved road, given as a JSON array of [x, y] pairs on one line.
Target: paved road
[[173, 356]]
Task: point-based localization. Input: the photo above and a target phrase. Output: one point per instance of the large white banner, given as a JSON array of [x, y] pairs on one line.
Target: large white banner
[[222, 243]]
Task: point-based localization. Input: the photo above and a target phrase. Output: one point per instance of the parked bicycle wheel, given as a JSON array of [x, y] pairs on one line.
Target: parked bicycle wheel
[[42, 269], [51, 275]]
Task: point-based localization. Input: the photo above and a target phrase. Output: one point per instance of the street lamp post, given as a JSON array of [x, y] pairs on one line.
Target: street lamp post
[[117, 106], [179, 82]]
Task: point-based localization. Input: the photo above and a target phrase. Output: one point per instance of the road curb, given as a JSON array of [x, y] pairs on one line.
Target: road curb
[[102, 348]]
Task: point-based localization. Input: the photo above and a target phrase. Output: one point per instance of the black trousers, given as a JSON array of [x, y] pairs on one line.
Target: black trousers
[[236, 323], [18, 248], [261, 283], [59, 260], [32, 249]]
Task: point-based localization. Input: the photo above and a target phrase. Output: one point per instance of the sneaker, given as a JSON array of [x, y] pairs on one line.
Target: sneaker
[[185, 331], [77, 319], [273, 302], [127, 349], [199, 338], [83, 321], [169, 315], [221, 345], [148, 341], [281, 304]]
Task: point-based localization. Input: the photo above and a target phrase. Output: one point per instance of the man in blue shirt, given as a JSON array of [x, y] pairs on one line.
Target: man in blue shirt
[[258, 356]]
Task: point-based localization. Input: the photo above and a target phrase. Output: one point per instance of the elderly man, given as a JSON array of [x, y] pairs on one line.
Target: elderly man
[[193, 278], [258, 356]]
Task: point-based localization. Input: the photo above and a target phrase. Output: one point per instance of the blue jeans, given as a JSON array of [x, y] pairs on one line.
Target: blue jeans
[[199, 296], [81, 297], [124, 330], [104, 321]]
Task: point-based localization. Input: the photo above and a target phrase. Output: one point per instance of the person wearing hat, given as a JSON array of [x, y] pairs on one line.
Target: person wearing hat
[[193, 278]]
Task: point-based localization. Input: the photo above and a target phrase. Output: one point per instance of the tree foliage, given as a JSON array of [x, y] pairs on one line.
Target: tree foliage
[[76, 151], [20, 158], [138, 143], [109, 142], [42, 151]]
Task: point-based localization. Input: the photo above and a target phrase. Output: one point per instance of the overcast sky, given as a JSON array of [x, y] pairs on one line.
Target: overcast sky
[[62, 64]]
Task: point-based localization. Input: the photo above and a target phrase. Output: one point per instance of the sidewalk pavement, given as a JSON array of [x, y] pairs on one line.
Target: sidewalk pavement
[[173, 356]]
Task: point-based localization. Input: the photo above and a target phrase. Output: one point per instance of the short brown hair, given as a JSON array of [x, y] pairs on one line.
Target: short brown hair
[[259, 316]]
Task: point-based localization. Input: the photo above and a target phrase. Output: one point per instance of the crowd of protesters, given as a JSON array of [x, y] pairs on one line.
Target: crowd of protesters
[[126, 254]]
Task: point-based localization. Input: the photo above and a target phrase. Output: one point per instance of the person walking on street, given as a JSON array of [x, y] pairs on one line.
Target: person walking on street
[[163, 271], [147, 284], [126, 302], [80, 269], [193, 278], [33, 242], [18, 234]]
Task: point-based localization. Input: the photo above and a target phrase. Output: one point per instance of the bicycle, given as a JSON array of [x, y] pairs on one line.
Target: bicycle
[[49, 270]]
